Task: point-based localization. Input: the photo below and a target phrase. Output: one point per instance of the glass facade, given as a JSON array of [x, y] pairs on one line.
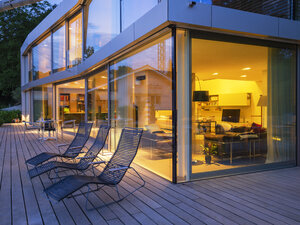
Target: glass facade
[[243, 107], [141, 93], [98, 99], [132, 10], [70, 101], [75, 40], [42, 102], [59, 49], [41, 59], [102, 24]]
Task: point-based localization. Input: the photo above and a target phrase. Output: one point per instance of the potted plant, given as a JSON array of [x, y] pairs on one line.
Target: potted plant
[[209, 151]]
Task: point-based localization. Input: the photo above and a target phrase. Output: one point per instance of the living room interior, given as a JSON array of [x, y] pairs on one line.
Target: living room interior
[[229, 105]]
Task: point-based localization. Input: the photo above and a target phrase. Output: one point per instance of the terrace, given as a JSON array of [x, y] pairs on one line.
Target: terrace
[[270, 197]]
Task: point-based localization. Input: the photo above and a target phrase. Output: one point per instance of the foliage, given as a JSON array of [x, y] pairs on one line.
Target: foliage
[[15, 25], [9, 116]]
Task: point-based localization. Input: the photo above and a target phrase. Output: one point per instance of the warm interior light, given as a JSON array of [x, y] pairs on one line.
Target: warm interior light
[[244, 75], [103, 76], [246, 68], [76, 82], [215, 74]]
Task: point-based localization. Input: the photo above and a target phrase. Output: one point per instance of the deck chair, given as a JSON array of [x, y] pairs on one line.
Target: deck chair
[[111, 175], [82, 165], [73, 149]]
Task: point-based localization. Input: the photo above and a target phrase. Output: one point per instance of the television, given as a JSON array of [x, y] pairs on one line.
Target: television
[[200, 96], [231, 115]]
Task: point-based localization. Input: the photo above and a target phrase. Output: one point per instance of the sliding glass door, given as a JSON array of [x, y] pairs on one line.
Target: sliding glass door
[[243, 106]]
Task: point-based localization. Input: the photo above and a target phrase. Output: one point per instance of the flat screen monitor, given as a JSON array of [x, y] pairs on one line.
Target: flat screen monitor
[[231, 115]]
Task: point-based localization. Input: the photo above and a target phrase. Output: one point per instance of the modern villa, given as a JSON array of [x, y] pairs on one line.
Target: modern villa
[[213, 83]]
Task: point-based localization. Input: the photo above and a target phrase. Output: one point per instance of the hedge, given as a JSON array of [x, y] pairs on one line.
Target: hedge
[[9, 116]]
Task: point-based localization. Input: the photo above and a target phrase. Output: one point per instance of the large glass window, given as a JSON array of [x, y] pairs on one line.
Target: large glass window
[[75, 40], [132, 10], [141, 96], [59, 49], [42, 102], [98, 99], [41, 59], [243, 107], [70, 101], [102, 24]]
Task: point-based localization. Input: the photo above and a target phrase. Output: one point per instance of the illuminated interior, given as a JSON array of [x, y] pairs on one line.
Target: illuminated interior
[[71, 101], [234, 121], [141, 96]]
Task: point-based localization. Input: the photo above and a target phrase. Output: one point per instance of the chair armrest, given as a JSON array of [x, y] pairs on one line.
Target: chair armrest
[[61, 145], [85, 157], [75, 147], [98, 162], [76, 152], [119, 168]]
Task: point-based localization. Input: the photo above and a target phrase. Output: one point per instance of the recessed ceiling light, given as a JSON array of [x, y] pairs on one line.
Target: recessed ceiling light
[[246, 68], [66, 84], [76, 82], [215, 74], [244, 75], [103, 76]]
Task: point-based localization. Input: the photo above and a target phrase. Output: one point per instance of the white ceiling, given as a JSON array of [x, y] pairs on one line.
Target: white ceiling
[[228, 60]]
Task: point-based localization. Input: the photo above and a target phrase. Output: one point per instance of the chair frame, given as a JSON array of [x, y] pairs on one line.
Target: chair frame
[[99, 186]]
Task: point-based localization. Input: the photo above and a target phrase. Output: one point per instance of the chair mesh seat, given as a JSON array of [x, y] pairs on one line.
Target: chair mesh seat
[[38, 170], [69, 185], [36, 160], [79, 141]]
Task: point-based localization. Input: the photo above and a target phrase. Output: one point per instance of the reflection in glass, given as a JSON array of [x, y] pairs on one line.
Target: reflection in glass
[[42, 102], [141, 96], [75, 40], [98, 100], [132, 10], [59, 49], [103, 24], [41, 59], [70, 101], [243, 106]]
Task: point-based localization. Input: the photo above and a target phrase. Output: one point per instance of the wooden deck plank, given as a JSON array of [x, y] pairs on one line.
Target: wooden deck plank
[[269, 197], [18, 206], [5, 193]]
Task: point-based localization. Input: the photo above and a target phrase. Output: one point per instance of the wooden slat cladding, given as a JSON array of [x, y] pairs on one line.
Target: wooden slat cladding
[[277, 8]]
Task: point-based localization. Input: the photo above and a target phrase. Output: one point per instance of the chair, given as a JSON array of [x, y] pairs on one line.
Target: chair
[[73, 149], [111, 175], [50, 125], [67, 124], [82, 165], [31, 126]]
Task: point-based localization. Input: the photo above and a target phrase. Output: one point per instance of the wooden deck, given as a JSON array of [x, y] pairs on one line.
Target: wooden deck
[[271, 197]]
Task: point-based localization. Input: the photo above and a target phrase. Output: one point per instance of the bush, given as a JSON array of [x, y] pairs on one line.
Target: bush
[[9, 116]]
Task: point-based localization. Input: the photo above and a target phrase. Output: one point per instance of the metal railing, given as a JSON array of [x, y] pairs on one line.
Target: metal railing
[[288, 9]]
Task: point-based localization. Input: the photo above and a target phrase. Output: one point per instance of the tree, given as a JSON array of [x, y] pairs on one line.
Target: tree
[[15, 25]]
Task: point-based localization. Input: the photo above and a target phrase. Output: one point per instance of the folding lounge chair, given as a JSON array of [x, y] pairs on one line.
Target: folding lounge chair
[[111, 175], [82, 165], [82, 135]]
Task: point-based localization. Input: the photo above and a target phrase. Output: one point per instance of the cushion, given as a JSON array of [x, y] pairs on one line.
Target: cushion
[[226, 126]]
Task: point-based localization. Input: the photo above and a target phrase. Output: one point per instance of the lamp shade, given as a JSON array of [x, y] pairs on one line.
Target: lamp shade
[[200, 96], [263, 101]]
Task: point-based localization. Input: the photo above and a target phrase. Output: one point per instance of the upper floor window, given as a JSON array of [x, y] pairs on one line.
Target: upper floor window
[[102, 24], [132, 10], [75, 40], [59, 49], [41, 59]]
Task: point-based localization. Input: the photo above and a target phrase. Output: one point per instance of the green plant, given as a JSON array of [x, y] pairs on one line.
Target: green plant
[[9, 116], [211, 149]]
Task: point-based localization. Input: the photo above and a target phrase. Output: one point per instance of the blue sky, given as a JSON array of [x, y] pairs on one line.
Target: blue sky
[[54, 1]]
